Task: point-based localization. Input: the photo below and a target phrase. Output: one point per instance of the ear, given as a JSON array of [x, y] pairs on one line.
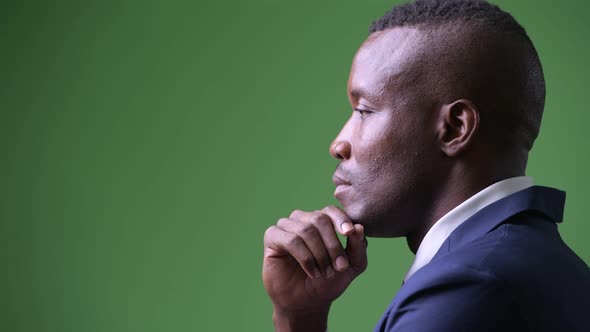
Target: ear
[[457, 125]]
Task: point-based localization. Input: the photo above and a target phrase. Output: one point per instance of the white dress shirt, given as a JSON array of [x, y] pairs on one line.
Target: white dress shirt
[[441, 230]]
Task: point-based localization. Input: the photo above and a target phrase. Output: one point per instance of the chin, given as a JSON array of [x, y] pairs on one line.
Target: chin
[[376, 225]]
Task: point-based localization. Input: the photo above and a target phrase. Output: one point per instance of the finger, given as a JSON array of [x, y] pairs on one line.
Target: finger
[[340, 219], [325, 225], [356, 249], [282, 241], [317, 230], [313, 240]]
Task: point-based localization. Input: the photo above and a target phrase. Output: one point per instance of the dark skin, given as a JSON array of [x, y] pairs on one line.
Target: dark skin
[[407, 157]]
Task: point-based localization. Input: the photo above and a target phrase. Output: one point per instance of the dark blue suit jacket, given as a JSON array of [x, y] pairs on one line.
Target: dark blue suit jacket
[[504, 269]]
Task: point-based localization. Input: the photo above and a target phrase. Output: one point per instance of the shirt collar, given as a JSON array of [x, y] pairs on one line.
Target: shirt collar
[[441, 230]]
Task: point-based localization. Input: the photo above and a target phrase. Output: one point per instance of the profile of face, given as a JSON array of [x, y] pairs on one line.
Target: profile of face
[[389, 160]]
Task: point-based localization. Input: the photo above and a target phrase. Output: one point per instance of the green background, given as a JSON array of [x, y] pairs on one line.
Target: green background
[[147, 145]]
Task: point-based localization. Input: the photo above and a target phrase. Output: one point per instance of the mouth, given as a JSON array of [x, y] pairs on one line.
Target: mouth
[[342, 185], [339, 180]]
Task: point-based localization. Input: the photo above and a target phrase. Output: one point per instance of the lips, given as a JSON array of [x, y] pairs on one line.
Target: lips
[[341, 186], [339, 180]]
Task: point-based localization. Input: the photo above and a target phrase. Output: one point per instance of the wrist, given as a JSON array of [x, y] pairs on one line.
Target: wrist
[[301, 320]]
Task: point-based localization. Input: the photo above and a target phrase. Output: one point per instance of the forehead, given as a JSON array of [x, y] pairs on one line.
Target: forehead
[[385, 57]]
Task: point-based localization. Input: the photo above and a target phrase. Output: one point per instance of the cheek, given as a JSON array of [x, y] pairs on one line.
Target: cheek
[[388, 155], [377, 158], [378, 142]]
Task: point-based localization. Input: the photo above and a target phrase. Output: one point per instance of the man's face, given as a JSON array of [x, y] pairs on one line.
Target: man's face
[[387, 148]]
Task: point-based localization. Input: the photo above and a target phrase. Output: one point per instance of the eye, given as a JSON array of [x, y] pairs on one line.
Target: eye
[[362, 112]]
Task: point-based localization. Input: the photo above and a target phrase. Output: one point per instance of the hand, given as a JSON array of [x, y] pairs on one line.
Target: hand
[[305, 267]]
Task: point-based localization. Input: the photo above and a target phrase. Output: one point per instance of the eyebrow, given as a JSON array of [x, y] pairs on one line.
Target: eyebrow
[[362, 93], [359, 92]]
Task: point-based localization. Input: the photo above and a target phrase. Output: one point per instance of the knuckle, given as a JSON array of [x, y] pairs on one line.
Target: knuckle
[[282, 221], [308, 229], [269, 231], [319, 218], [295, 213], [293, 240]]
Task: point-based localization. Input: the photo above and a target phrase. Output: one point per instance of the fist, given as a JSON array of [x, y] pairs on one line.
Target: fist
[[305, 267]]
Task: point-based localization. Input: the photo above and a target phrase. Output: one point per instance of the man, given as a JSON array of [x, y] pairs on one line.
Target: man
[[447, 98]]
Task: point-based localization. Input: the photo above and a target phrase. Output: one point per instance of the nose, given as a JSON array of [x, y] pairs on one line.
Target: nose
[[340, 149]]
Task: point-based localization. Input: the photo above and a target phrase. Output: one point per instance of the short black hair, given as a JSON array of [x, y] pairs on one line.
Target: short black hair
[[529, 101], [444, 11]]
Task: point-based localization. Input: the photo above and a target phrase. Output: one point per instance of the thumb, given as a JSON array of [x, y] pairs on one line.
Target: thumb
[[356, 249]]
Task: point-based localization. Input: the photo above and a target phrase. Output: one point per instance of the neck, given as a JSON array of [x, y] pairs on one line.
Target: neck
[[460, 184]]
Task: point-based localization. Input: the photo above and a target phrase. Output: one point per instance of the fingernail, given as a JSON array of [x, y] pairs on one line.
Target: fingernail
[[341, 263], [346, 227], [329, 272]]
